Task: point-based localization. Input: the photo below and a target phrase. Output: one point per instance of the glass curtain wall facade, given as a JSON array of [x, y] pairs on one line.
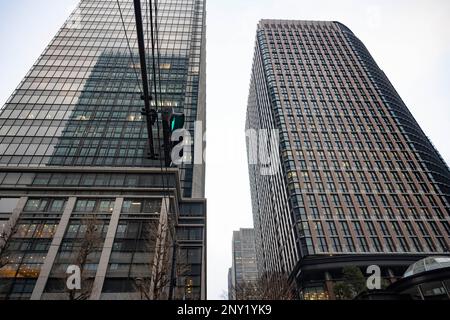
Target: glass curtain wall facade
[[357, 181], [73, 154], [244, 272]]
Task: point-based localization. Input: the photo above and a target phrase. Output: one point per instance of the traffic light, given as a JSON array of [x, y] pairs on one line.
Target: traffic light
[[172, 121], [176, 121]]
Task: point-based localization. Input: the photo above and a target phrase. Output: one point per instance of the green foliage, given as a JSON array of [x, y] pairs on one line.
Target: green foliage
[[384, 284], [353, 282], [342, 291]]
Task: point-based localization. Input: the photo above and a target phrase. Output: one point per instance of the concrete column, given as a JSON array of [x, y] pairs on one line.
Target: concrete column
[[53, 251], [329, 284], [106, 252], [160, 243]]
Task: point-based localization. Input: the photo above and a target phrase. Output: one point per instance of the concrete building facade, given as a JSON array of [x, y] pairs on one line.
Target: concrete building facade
[[356, 182]]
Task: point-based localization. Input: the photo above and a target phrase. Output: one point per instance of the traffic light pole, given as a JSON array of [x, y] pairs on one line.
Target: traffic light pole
[[150, 114], [167, 142]]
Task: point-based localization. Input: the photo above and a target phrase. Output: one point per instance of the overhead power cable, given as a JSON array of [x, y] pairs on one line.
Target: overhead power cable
[[157, 77], [129, 47], [150, 114]]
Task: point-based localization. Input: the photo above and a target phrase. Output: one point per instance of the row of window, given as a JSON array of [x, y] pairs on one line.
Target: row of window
[[87, 179], [364, 200], [94, 205]]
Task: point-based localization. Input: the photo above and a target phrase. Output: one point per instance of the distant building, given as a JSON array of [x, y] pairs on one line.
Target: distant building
[[230, 285], [243, 273], [356, 182]]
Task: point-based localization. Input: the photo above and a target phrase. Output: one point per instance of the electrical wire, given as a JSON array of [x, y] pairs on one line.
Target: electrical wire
[[149, 16], [151, 37], [158, 62], [129, 47], [155, 87], [154, 33]]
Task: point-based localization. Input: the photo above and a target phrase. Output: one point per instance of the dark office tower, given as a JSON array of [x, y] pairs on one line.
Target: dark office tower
[[244, 272], [77, 186], [358, 182], [230, 285]]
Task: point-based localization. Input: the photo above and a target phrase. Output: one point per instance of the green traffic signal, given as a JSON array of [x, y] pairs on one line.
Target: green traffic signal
[[176, 121]]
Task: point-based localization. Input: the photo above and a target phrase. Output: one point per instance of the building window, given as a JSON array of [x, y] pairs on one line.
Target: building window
[[45, 205], [85, 206], [194, 233], [57, 205], [94, 205], [142, 206], [7, 205], [34, 205], [106, 206]]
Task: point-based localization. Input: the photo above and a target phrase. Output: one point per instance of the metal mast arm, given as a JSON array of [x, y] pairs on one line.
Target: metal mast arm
[[149, 113]]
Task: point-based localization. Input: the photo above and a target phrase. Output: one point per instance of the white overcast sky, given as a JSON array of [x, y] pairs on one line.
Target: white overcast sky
[[409, 39]]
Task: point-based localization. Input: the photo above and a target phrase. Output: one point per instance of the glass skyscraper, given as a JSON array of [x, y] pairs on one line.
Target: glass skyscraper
[[74, 165], [357, 182], [243, 273]]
